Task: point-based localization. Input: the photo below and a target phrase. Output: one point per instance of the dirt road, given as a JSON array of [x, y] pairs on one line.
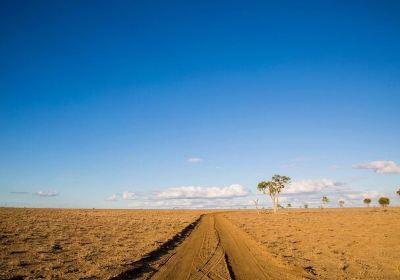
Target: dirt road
[[217, 249]]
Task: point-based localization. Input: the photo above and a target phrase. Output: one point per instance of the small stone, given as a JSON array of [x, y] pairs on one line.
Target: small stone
[[56, 247]]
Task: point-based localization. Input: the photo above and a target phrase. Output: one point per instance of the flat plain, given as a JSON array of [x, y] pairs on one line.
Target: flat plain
[[81, 244], [349, 243]]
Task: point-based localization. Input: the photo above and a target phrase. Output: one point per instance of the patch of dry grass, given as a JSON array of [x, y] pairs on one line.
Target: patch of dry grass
[[75, 244], [333, 243]]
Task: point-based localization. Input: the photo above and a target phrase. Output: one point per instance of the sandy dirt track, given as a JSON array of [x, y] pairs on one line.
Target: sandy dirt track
[[217, 249]]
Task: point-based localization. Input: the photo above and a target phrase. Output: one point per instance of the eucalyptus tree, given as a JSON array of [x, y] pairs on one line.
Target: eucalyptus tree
[[325, 200], [367, 201], [384, 201], [257, 204], [273, 188]]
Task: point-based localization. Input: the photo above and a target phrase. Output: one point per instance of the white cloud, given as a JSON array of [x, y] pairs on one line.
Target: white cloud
[[128, 195], [46, 194], [194, 160], [162, 204], [231, 191], [219, 203], [380, 166], [309, 186], [114, 197], [372, 194], [353, 195], [356, 198]]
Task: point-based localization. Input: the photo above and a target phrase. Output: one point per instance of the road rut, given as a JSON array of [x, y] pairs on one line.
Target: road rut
[[217, 249]]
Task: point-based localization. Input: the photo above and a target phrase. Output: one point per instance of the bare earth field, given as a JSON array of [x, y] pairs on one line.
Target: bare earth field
[[75, 244], [175, 244], [331, 243]]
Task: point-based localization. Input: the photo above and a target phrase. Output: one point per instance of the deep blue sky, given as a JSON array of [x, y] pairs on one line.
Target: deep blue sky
[[98, 98]]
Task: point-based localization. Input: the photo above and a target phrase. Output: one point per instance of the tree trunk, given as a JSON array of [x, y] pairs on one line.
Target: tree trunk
[[273, 198]]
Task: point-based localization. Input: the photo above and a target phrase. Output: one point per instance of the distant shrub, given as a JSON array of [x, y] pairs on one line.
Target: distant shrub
[[341, 203], [384, 201], [325, 200], [306, 205], [398, 192], [288, 205], [367, 201], [257, 204]]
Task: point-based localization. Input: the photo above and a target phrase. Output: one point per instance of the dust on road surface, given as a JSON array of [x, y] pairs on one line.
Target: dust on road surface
[[217, 249]]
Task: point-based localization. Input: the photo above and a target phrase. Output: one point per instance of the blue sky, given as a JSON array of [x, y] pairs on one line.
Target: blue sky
[[192, 104]]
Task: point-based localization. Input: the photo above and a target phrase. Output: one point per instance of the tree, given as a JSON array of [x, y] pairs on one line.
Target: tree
[[341, 203], [398, 192], [256, 203], [367, 201], [305, 205], [273, 188], [289, 205], [384, 201], [325, 200]]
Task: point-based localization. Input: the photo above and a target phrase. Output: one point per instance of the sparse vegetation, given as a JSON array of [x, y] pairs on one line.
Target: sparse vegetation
[[273, 188], [384, 201], [367, 201], [324, 238], [325, 200], [81, 243], [257, 205]]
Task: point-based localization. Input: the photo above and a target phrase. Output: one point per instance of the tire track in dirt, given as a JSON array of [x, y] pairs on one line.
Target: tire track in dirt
[[200, 257], [217, 249]]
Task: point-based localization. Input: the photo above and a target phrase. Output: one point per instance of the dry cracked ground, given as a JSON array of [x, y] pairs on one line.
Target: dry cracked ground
[[175, 244]]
